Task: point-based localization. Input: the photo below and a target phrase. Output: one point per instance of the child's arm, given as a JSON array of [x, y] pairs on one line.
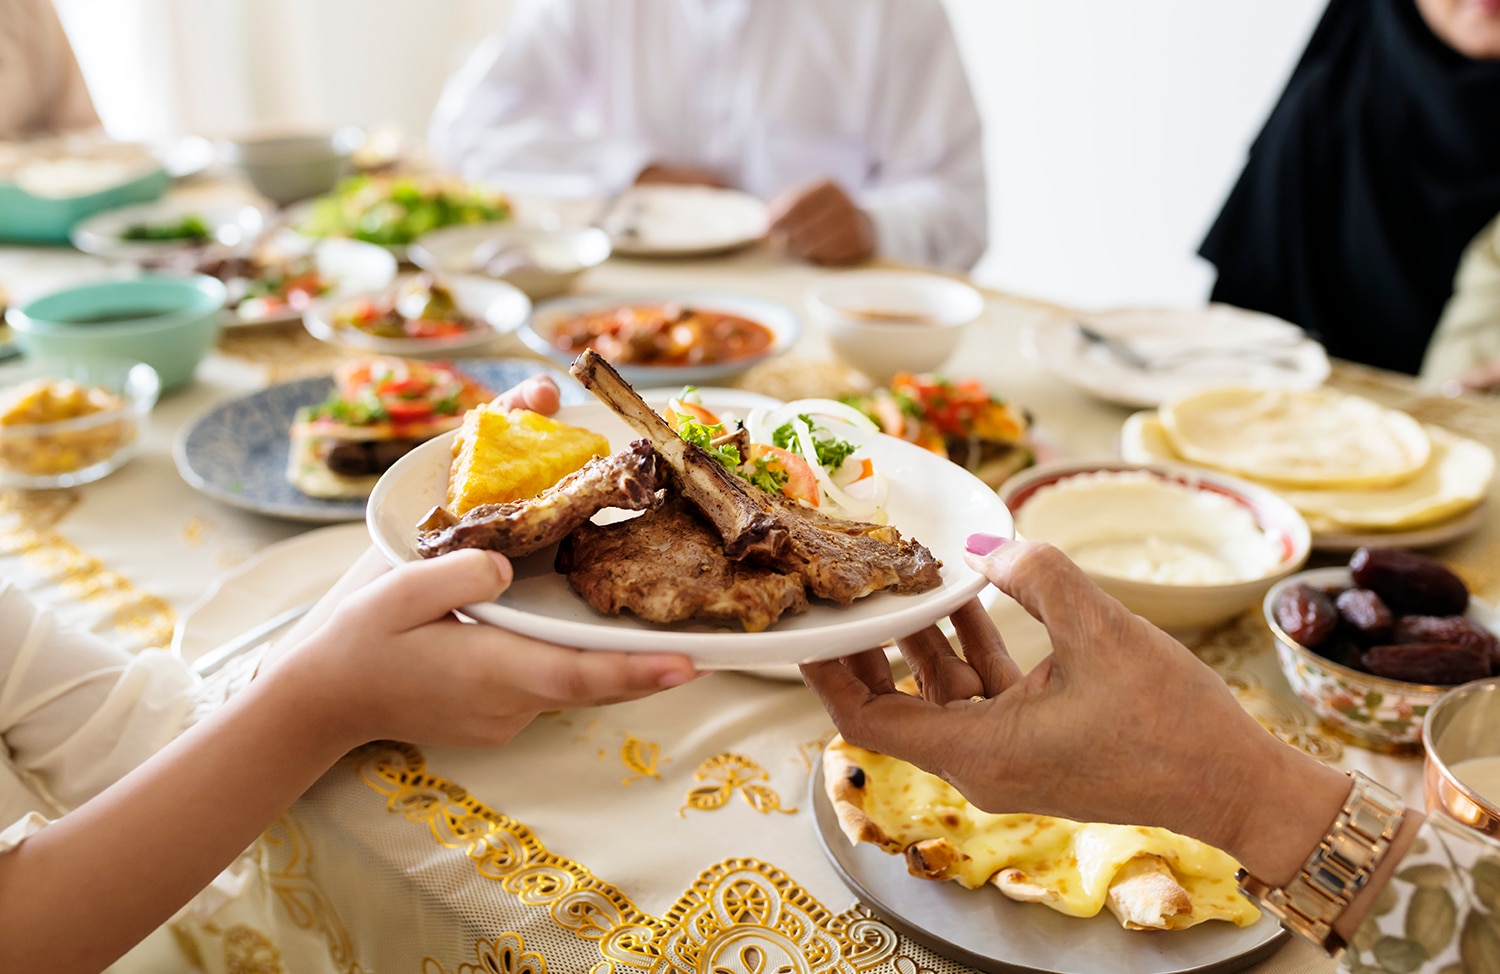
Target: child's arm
[[390, 663]]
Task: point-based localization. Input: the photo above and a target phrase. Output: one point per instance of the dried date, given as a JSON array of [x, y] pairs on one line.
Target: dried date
[[1365, 615], [1409, 583], [1306, 614], [1451, 630], [1433, 663]]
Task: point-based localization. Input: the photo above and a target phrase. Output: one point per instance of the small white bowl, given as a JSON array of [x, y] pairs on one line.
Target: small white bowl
[[542, 263], [1177, 605], [885, 322], [285, 167]]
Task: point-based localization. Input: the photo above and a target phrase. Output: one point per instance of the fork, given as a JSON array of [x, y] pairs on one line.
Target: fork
[[1135, 359]]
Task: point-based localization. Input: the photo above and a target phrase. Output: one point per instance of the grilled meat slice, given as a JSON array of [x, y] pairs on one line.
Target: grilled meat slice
[[627, 480], [839, 560], [741, 519], [669, 566], [847, 560]]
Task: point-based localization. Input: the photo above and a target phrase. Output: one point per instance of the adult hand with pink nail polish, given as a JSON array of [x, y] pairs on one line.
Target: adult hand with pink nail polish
[[1120, 723]]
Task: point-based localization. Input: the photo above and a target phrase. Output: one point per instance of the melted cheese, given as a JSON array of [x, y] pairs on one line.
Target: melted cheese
[[501, 456], [1075, 862]]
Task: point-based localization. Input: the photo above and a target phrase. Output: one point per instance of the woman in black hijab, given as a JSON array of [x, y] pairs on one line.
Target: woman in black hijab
[[1377, 167]]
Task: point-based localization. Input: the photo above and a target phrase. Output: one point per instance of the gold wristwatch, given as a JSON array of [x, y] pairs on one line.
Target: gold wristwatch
[[1338, 868]]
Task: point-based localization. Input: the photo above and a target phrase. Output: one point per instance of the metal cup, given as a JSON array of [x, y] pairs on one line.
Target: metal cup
[[1463, 724]]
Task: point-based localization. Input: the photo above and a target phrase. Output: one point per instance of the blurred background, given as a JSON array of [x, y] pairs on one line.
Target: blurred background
[[1113, 130]]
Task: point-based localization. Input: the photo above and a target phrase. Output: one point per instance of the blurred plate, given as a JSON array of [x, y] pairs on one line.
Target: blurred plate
[[540, 602], [1424, 537], [987, 931], [232, 225], [683, 221], [237, 451], [542, 263], [279, 577], [785, 328], [497, 308], [351, 266], [1190, 349]]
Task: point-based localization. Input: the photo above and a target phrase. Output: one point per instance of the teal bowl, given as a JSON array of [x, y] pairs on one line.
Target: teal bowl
[[166, 321]]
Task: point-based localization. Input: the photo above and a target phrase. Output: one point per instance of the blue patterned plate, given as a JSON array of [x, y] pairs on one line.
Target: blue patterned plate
[[237, 451]]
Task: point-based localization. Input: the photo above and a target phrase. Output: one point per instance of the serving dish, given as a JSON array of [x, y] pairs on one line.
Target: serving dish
[[540, 602], [1176, 605], [664, 220], [394, 210], [1188, 350], [495, 307], [232, 225], [1378, 713], [67, 452], [542, 263], [237, 451], [985, 930], [541, 329]]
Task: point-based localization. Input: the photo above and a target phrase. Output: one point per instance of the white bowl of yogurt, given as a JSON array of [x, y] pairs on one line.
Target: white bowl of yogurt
[[1184, 548]]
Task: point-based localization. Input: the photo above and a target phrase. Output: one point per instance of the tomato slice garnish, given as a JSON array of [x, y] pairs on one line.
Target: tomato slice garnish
[[801, 484]]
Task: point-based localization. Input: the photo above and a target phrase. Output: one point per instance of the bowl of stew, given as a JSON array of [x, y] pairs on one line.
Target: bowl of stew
[[692, 338]]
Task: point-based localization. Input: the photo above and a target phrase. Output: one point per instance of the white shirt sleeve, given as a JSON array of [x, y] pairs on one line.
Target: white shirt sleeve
[[927, 196], [508, 116]]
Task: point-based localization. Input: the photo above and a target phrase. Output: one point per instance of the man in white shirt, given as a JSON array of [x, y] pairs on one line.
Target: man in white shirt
[[853, 117]]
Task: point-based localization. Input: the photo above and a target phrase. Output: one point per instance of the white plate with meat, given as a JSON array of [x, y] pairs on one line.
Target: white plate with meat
[[931, 501]]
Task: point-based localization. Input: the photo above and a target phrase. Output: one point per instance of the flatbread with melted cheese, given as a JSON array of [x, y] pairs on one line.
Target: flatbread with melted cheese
[[1454, 480], [1319, 438], [1151, 879]]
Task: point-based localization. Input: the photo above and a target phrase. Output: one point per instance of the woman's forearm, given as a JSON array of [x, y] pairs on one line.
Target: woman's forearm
[[151, 841]]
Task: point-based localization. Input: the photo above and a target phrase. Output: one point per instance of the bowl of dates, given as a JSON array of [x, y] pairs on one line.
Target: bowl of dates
[[1371, 647]]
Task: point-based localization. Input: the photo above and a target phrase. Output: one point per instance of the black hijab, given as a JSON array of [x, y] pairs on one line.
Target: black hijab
[[1377, 167]]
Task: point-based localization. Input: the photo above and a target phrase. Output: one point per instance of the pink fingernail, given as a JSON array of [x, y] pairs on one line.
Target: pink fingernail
[[983, 544], [675, 678]]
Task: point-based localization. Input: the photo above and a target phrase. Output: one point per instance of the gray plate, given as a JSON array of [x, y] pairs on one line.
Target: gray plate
[[985, 930]]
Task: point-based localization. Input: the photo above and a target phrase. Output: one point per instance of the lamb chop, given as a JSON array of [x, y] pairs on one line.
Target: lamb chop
[[839, 560], [669, 566], [627, 480]]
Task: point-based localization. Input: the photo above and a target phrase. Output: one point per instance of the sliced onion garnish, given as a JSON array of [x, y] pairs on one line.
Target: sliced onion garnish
[[853, 506]]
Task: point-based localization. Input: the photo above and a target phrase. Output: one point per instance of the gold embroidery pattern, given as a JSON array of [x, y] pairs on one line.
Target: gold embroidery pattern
[[727, 773], [248, 951], [640, 759], [506, 954], [287, 863], [26, 520], [740, 917]]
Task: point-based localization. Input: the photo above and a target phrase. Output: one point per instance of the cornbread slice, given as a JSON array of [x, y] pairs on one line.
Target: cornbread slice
[[501, 456]]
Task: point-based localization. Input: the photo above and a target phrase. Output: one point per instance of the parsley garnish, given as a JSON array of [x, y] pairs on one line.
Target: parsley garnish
[[702, 434], [832, 452]]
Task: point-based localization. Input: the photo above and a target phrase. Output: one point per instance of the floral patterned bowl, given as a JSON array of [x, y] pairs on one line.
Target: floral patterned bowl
[[1371, 711]]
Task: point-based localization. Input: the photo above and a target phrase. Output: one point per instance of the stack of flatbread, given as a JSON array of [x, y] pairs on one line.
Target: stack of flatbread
[[1347, 464]]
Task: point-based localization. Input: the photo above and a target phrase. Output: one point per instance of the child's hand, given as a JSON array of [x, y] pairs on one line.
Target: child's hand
[[393, 663]]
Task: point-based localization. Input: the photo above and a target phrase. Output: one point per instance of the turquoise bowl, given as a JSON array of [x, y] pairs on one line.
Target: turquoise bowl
[[166, 321]]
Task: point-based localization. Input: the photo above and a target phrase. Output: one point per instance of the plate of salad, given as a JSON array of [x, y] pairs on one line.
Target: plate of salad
[[393, 211], [958, 419], [149, 230], [420, 315]]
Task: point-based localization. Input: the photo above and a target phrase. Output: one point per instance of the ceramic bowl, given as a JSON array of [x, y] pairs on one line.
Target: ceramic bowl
[[1168, 596], [1375, 712], [166, 321], [885, 322], [542, 263], [40, 449], [286, 168], [1462, 739]]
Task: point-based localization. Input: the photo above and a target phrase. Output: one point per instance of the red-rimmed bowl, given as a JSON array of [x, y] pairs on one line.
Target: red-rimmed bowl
[[1183, 562]]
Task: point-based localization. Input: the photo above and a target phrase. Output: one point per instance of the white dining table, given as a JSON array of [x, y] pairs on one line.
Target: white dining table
[[673, 833]]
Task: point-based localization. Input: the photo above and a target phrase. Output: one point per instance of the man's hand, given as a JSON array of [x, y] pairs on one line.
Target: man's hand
[[820, 223]]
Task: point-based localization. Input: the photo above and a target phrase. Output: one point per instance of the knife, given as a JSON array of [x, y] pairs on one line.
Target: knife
[[211, 662]]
